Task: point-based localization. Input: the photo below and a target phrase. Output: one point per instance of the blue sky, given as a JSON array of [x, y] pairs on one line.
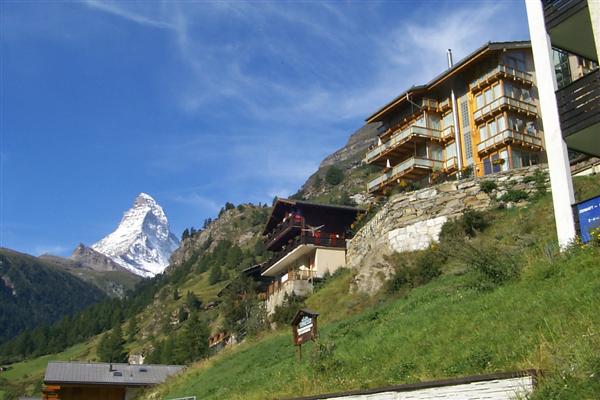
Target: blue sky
[[199, 103]]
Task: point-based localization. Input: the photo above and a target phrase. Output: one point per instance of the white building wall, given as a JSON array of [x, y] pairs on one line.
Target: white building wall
[[500, 389], [329, 260]]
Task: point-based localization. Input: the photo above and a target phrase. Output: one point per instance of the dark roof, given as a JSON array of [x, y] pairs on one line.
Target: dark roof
[[108, 374], [489, 46], [431, 384], [281, 204]]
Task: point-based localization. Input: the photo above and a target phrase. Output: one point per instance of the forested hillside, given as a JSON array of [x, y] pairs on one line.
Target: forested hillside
[[34, 292]]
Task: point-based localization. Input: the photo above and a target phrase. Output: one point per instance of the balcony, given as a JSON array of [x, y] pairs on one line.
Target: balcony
[[318, 239], [509, 136], [579, 110], [444, 105], [447, 133], [411, 168], [570, 28], [283, 231], [504, 103], [400, 138], [501, 71], [451, 164]]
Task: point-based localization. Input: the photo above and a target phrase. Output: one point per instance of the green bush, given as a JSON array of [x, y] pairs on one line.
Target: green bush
[[488, 186], [514, 196], [284, 313], [467, 225], [412, 271], [334, 176], [492, 265]]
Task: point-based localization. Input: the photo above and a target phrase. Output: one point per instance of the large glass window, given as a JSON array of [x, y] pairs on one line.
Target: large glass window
[[450, 151], [448, 120], [479, 100], [561, 68], [437, 152], [516, 158], [492, 128], [434, 121], [504, 158], [530, 128], [501, 123], [496, 89], [420, 121], [421, 150], [483, 133], [489, 97]]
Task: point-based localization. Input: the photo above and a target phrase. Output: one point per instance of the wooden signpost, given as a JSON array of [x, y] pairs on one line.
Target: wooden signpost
[[304, 328]]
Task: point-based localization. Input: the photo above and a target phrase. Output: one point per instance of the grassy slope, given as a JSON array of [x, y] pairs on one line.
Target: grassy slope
[[548, 319], [28, 375]]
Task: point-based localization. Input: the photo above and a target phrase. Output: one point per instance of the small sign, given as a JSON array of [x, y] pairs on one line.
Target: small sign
[[304, 326], [588, 215]]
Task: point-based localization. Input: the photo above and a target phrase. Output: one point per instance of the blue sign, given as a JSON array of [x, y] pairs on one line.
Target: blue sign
[[588, 213]]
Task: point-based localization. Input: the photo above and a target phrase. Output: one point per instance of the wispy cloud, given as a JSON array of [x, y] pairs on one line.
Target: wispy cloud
[[116, 9]]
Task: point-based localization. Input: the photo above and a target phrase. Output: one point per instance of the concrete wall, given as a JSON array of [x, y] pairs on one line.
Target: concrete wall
[[329, 260], [412, 221], [299, 287]]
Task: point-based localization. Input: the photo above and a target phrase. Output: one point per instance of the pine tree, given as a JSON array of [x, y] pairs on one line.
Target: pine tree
[[185, 234], [132, 329], [215, 275], [112, 346], [193, 302]]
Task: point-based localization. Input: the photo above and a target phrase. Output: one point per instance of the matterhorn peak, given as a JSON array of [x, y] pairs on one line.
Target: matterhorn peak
[[142, 242]]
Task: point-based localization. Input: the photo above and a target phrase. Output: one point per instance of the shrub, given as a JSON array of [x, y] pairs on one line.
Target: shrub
[[415, 271], [492, 265], [334, 175], [488, 186], [514, 196], [468, 224], [284, 313]]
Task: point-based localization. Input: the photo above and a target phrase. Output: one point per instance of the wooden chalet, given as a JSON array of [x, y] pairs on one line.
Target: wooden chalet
[[309, 241], [102, 381]]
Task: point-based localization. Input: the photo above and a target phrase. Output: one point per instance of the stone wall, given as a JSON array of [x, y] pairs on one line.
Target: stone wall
[[412, 221]]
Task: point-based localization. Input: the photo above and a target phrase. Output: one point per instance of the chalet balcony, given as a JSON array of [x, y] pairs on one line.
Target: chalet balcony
[[451, 164], [504, 103], [412, 168], [282, 232], [500, 72], [579, 111], [569, 25], [444, 105], [509, 136], [447, 133], [399, 140], [321, 239]]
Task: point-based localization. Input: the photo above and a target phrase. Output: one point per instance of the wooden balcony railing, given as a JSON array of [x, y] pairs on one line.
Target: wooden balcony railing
[[292, 222], [506, 136], [502, 103], [579, 104], [402, 169], [307, 238], [398, 138], [501, 71], [448, 133]]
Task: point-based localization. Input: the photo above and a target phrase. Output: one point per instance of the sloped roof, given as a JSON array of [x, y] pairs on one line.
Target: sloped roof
[[488, 47], [108, 374]]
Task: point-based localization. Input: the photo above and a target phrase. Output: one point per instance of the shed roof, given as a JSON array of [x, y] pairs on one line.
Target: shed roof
[[59, 372]]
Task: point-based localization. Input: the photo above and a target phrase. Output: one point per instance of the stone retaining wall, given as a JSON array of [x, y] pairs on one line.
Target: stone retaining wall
[[412, 221]]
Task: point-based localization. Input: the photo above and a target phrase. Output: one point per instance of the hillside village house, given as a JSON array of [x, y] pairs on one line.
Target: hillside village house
[[309, 240], [101, 381]]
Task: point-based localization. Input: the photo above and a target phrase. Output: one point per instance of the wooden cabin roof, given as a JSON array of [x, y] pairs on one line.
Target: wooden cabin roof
[[282, 206]]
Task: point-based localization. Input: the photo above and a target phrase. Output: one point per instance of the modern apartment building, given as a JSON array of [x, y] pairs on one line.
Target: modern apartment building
[[480, 114]]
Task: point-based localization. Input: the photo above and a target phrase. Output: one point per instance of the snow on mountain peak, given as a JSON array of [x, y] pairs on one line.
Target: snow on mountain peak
[[142, 242]]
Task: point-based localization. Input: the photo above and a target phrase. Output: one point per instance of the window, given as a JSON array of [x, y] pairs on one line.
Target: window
[[479, 101], [496, 163], [420, 121], [487, 166], [434, 121], [530, 128], [483, 133], [464, 113], [450, 151], [489, 97], [501, 123], [561, 68], [437, 152], [504, 158], [492, 128], [516, 159], [448, 120], [496, 89], [421, 150]]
